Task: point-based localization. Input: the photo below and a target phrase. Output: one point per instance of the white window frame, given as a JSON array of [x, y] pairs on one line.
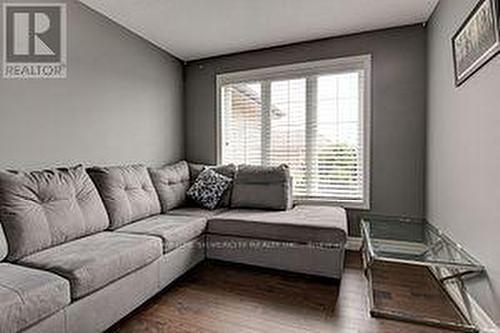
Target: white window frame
[[330, 66]]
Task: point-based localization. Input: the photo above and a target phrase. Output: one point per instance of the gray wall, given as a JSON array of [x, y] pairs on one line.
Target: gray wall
[[463, 183], [398, 120], [121, 103]]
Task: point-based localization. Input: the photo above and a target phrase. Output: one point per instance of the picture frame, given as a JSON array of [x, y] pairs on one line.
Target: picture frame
[[477, 40]]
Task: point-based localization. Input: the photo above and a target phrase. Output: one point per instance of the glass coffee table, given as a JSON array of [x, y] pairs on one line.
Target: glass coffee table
[[416, 273]]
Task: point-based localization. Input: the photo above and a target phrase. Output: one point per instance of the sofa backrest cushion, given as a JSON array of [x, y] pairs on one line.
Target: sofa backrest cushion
[[127, 192], [3, 244], [228, 170], [262, 187], [171, 183], [41, 209]]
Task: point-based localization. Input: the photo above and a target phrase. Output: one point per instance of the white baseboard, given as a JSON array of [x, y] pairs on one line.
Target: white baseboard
[[353, 243]]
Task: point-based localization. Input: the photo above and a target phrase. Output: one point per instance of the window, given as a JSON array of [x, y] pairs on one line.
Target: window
[[312, 116]]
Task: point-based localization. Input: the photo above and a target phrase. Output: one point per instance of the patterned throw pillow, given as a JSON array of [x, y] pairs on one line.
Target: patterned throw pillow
[[209, 188]]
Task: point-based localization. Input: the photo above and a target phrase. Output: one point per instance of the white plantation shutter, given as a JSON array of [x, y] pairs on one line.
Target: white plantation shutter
[[313, 117], [242, 123]]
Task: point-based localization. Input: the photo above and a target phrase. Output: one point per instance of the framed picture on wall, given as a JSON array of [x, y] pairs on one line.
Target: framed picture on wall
[[477, 41]]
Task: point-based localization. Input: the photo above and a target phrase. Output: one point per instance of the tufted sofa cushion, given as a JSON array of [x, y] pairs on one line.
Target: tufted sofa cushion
[[41, 209], [127, 192], [171, 183]]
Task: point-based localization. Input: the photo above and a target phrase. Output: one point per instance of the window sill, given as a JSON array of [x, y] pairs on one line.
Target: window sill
[[326, 202]]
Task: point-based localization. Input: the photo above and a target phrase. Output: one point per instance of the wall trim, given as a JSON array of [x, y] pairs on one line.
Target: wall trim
[[353, 244]]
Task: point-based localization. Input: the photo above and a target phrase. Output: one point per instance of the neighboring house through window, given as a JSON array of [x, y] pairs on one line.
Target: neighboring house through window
[[314, 116]]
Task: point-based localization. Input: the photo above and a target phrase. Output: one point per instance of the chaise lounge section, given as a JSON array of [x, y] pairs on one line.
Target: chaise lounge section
[[304, 239], [83, 248]]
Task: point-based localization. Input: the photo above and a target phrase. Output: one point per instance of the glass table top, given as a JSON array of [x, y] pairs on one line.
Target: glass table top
[[413, 241]]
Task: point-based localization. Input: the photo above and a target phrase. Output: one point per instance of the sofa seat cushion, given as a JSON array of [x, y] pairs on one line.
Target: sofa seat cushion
[[174, 230], [93, 262], [41, 209], [127, 192], [197, 211], [302, 224], [28, 296]]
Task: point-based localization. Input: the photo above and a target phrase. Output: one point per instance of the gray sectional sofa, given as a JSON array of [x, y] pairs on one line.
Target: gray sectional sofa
[[80, 249]]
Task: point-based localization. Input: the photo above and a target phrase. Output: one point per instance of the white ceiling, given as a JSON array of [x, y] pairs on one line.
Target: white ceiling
[[194, 29]]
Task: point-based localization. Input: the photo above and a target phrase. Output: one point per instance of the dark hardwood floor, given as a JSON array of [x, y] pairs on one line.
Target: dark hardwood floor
[[219, 297], [410, 289]]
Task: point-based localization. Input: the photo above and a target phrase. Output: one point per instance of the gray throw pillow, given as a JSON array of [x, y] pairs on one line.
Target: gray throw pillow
[[209, 188]]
